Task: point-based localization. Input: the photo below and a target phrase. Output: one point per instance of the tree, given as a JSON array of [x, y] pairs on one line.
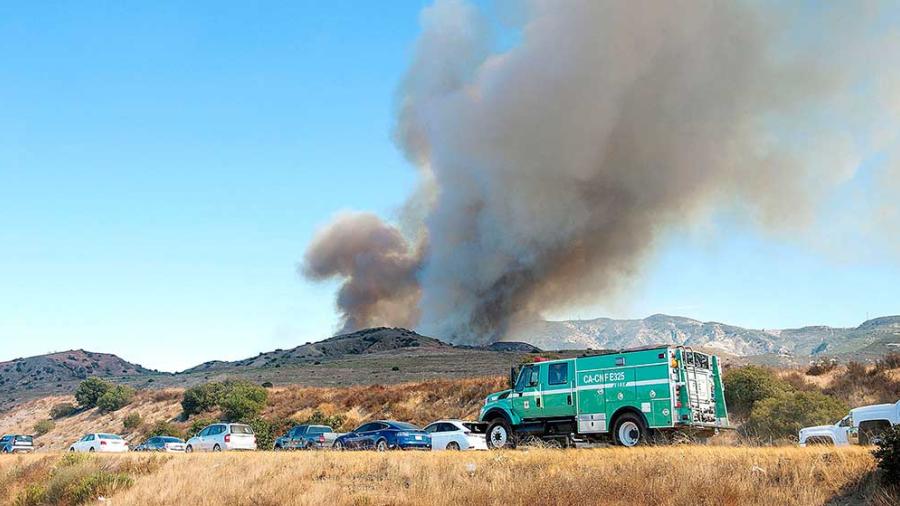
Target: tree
[[201, 398], [243, 401], [90, 391], [115, 398], [784, 415], [744, 386]]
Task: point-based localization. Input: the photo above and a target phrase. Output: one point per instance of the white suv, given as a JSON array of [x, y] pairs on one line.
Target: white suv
[[862, 426], [222, 436]]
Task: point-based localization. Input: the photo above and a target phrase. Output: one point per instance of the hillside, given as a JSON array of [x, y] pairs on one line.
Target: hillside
[[870, 339], [60, 372]]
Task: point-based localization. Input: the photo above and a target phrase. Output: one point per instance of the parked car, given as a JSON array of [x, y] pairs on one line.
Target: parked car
[[222, 436], [862, 426], [307, 437], [457, 435], [161, 444], [16, 443], [100, 442], [383, 435]]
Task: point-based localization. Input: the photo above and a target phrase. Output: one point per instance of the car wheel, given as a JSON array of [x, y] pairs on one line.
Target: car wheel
[[91, 449], [71, 450], [381, 446], [188, 449], [278, 448], [629, 430], [500, 435], [338, 446], [217, 448], [453, 445]]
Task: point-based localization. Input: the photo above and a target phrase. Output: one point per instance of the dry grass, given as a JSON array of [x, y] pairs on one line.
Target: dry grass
[[655, 475]]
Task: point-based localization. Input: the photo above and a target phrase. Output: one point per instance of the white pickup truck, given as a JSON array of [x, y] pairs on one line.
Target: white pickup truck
[[861, 426]]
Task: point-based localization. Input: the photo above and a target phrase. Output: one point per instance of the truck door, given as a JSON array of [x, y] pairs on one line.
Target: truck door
[[526, 397], [558, 380]]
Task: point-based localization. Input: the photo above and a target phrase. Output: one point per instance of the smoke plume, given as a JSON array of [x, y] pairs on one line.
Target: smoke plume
[[551, 168]]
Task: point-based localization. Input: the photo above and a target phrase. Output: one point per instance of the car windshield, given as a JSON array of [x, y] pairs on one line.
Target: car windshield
[[405, 426], [241, 429], [171, 440], [23, 439], [317, 429], [109, 436]]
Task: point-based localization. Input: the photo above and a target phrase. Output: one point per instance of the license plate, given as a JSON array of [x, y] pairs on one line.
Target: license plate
[[418, 437]]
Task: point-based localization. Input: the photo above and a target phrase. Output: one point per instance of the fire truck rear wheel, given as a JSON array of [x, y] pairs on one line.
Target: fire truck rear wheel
[[500, 435], [629, 430]]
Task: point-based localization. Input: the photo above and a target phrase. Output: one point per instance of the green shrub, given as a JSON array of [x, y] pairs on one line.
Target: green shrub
[[888, 455], [201, 398], [319, 418], [115, 398], [784, 415], [198, 425], [43, 427], [164, 428], [62, 410], [132, 421], [90, 391], [243, 401], [744, 386]]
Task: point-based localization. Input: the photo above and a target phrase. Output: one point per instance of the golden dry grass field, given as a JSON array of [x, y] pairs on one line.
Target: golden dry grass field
[[673, 475]]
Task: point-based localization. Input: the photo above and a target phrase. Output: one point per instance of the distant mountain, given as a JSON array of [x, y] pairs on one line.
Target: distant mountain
[[869, 339], [367, 341]]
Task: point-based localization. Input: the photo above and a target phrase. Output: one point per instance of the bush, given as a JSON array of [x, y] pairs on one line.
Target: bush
[[62, 410], [43, 427], [132, 421], [744, 386], [822, 366], [319, 418], [116, 398], [243, 401], [784, 415], [201, 398], [90, 391], [164, 428], [267, 384], [267, 431], [198, 425], [888, 455]]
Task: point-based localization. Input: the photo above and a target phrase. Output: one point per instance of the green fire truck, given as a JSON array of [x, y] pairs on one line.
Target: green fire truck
[[628, 395]]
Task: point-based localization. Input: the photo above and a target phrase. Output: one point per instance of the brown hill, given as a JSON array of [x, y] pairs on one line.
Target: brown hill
[[59, 372]]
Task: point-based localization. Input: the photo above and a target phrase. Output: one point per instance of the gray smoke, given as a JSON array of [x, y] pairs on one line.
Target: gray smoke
[[551, 169]]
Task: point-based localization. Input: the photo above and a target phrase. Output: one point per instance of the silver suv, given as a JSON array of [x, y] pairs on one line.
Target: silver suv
[[222, 436]]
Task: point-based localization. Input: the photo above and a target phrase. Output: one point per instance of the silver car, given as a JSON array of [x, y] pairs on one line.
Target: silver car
[[222, 437]]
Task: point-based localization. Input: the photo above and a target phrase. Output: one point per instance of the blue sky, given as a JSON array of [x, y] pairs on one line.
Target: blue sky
[[163, 166]]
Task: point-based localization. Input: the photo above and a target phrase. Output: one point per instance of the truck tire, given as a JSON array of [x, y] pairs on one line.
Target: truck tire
[[500, 435], [629, 430]]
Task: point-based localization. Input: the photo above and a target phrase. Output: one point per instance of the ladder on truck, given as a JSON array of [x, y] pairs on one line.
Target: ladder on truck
[[691, 374]]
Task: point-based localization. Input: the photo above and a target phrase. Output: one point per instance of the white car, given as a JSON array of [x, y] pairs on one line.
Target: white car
[[222, 436], [100, 442], [862, 426], [457, 435]]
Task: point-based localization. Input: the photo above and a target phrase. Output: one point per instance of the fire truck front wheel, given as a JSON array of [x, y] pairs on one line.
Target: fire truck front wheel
[[629, 430], [500, 435]]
